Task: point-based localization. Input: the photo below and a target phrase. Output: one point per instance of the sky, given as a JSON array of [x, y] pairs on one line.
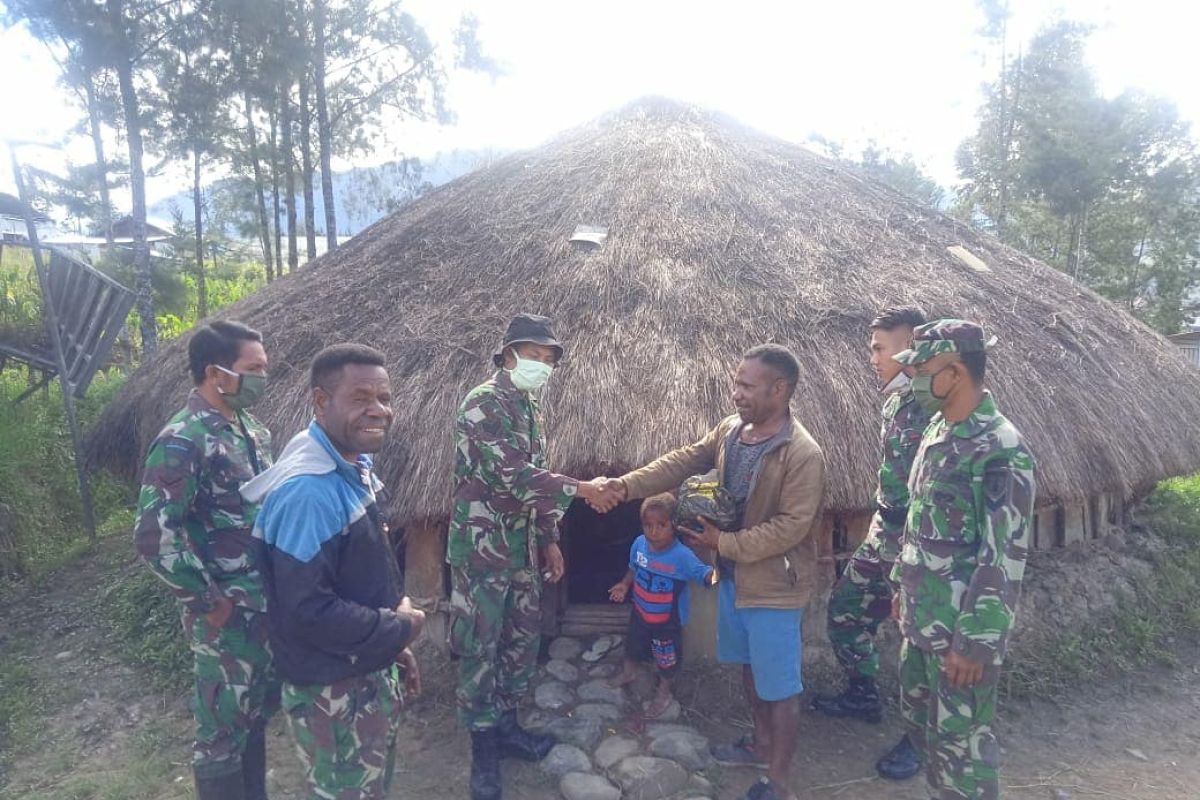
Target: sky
[[904, 75]]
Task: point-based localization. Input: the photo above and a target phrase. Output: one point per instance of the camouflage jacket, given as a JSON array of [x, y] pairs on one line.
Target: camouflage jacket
[[502, 489], [967, 536], [194, 527], [904, 420]]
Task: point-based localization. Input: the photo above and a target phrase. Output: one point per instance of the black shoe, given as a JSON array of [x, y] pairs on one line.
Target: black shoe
[[901, 762], [254, 764], [859, 700], [516, 742], [485, 764], [226, 786]]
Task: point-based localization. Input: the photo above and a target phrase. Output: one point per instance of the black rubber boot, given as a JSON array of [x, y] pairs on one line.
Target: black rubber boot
[[226, 786], [516, 742], [901, 762], [254, 764], [485, 764], [859, 700]]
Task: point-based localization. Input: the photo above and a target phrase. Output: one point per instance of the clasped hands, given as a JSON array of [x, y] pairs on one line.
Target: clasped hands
[[602, 494]]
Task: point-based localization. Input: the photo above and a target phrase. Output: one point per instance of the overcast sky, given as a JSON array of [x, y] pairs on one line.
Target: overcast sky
[[906, 74]]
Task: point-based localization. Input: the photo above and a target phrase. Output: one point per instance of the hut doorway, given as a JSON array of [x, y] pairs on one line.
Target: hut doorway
[[596, 547]]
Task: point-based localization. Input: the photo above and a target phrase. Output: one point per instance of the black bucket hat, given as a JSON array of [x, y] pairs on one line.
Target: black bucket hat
[[528, 328]]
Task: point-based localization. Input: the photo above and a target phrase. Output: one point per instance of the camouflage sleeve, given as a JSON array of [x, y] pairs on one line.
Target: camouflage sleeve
[[898, 440], [1004, 499], [168, 488], [510, 470]]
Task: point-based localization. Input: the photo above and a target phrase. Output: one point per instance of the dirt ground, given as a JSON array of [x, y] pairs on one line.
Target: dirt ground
[[105, 734]]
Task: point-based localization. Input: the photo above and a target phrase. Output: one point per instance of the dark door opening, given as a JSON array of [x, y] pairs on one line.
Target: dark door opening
[[597, 549]]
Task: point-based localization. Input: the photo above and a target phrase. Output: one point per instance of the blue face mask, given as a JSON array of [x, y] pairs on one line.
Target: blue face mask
[[530, 375]]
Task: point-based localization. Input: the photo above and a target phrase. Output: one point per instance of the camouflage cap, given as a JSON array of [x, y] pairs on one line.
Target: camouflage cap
[[945, 336]]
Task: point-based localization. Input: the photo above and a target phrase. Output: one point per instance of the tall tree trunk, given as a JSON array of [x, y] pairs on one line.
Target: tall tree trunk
[[197, 208], [289, 173], [306, 168], [137, 178], [275, 192], [264, 231], [93, 110], [324, 134]]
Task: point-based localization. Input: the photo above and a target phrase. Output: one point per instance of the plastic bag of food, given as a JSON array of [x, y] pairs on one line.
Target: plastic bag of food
[[703, 496]]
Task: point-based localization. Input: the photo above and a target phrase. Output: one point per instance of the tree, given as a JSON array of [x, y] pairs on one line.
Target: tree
[[116, 35], [196, 85], [1104, 189], [903, 174]]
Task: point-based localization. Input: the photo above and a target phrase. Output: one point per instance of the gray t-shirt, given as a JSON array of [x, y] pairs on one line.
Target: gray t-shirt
[[741, 462]]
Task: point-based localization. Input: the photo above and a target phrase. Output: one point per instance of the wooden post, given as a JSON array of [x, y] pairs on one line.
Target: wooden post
[[51, 319]]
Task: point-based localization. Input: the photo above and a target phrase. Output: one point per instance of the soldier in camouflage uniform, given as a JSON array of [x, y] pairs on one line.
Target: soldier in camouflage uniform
[[505, 513], [862, 596], [194, 532], [961, 562]]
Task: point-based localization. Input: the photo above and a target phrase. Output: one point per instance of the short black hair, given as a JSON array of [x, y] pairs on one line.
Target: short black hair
[[327, 365], [894, 317], [218, 342], [976, 364], [664, 502], [780, 359]]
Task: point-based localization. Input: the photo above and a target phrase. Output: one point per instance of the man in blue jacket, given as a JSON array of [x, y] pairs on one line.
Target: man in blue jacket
[[340, 626]]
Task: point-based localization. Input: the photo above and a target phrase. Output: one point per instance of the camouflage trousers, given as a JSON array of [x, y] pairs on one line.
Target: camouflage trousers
[[951, 727], [861, 599], [346, 734], [495, 629], [234, 689]]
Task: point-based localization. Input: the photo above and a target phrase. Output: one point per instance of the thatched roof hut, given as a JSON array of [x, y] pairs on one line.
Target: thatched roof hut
[[718, 238]]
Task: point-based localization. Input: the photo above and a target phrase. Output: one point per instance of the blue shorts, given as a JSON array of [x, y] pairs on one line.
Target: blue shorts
[[768, 639]]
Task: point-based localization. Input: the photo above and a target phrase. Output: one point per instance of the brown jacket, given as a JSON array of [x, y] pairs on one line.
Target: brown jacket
[[776, 553]]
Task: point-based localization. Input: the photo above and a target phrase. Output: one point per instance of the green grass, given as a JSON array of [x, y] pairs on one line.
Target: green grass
[[22, 700], [37, 477], [145, 618], [1145, 626]]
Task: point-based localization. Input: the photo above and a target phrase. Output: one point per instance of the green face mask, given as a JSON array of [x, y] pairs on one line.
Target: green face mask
[[922, 388], [250, 388], [530, 375]]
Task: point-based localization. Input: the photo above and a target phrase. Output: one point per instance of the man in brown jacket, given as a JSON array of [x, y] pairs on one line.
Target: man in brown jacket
[[776, 473]]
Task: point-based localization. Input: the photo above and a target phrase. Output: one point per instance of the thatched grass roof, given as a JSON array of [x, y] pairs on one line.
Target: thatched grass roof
[[719, 238]]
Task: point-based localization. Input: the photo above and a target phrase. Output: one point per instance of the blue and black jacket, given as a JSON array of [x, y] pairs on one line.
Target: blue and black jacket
[[331, 576]]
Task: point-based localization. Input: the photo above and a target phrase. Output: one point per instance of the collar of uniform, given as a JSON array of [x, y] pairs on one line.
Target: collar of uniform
[[979, 420], [507, 389], [347, 470], [207, 412]]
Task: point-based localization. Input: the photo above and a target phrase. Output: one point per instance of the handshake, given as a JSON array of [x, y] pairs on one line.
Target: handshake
[[602, 494]]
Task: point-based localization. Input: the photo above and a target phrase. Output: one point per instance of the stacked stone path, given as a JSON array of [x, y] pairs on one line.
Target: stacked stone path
[[606, 749]]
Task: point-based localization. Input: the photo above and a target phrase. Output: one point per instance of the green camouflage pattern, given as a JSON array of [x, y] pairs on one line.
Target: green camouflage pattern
[[951, 727], [861, 599], [904, 421], [193, 527], [967, 537], [944, 336], [503, 492], [495, 629], [345, 734], [234, 688]]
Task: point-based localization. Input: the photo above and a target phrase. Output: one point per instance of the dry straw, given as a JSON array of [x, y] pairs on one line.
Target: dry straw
[[719, 238]]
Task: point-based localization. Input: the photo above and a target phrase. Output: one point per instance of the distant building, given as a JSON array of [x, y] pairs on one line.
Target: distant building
[[1188, 344], [12, 220]]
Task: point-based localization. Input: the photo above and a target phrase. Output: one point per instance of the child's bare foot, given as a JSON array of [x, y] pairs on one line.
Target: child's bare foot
[[657, 706], [622, 678]]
